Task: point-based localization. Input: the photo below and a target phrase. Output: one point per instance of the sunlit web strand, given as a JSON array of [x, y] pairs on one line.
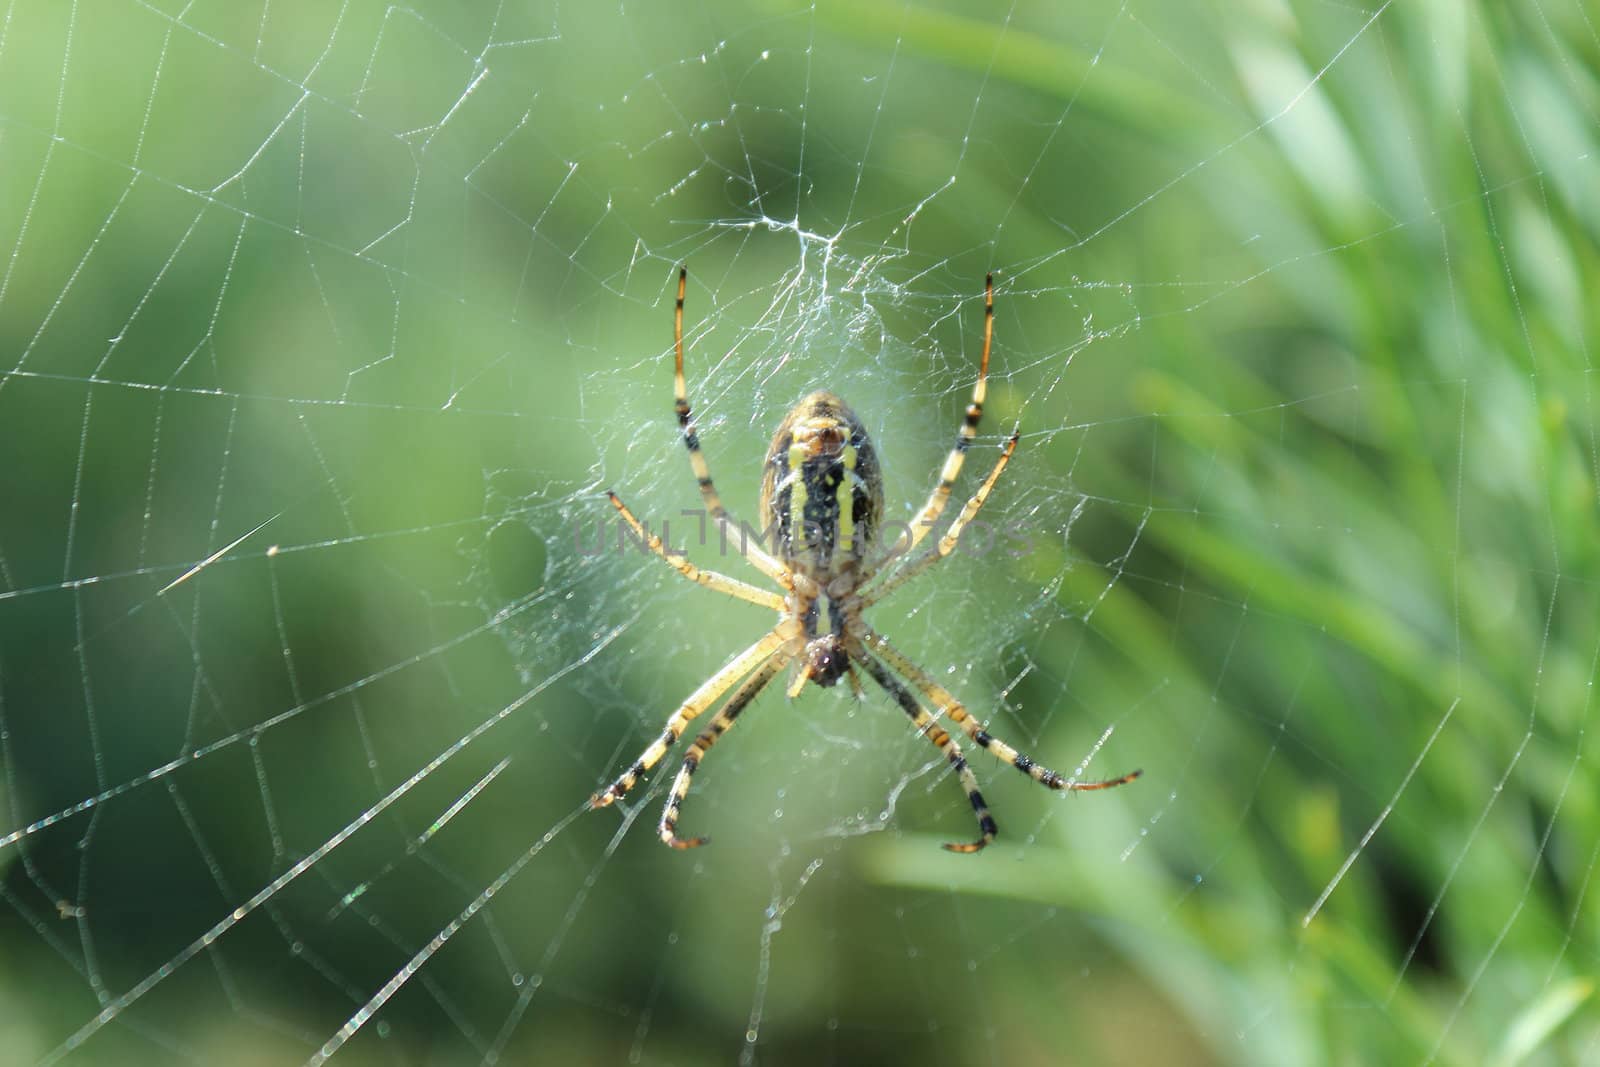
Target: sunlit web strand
[[116, 1006], [161, 771]]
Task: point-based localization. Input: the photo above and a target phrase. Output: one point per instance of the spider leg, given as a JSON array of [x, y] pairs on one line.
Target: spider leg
[[719, 725], [949, 705], [758, 556], [857, 690], [721, 583], [698, 701], [947, 543], [929, 515], [942, 740]]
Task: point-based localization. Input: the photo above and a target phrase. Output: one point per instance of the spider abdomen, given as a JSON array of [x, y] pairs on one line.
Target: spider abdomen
[[821, 490]]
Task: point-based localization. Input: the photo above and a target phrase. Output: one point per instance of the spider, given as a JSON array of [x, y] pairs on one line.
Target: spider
[[822, 500]]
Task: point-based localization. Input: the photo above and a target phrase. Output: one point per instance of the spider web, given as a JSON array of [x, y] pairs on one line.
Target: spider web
[[325, 328]]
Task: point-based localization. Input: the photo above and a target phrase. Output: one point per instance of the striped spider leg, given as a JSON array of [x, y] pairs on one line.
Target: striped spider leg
[[758, 556], [935, 505], [941, 698], [863, 637], [945, 545], [767, 653], [949, 706], [942, 740], [719, 725], [721, 583], [698, 701]]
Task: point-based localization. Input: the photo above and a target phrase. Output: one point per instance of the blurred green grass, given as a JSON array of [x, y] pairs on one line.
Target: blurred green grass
[[1297, 301]]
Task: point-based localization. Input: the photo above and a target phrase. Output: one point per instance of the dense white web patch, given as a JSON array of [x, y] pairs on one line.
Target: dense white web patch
[[325, 332]]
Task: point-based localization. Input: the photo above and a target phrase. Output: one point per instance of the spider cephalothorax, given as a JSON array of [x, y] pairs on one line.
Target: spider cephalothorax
[[821, 509], [826, 660]]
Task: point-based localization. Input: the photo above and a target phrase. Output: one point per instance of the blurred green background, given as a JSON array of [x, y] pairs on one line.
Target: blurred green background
[[1296, 313]]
